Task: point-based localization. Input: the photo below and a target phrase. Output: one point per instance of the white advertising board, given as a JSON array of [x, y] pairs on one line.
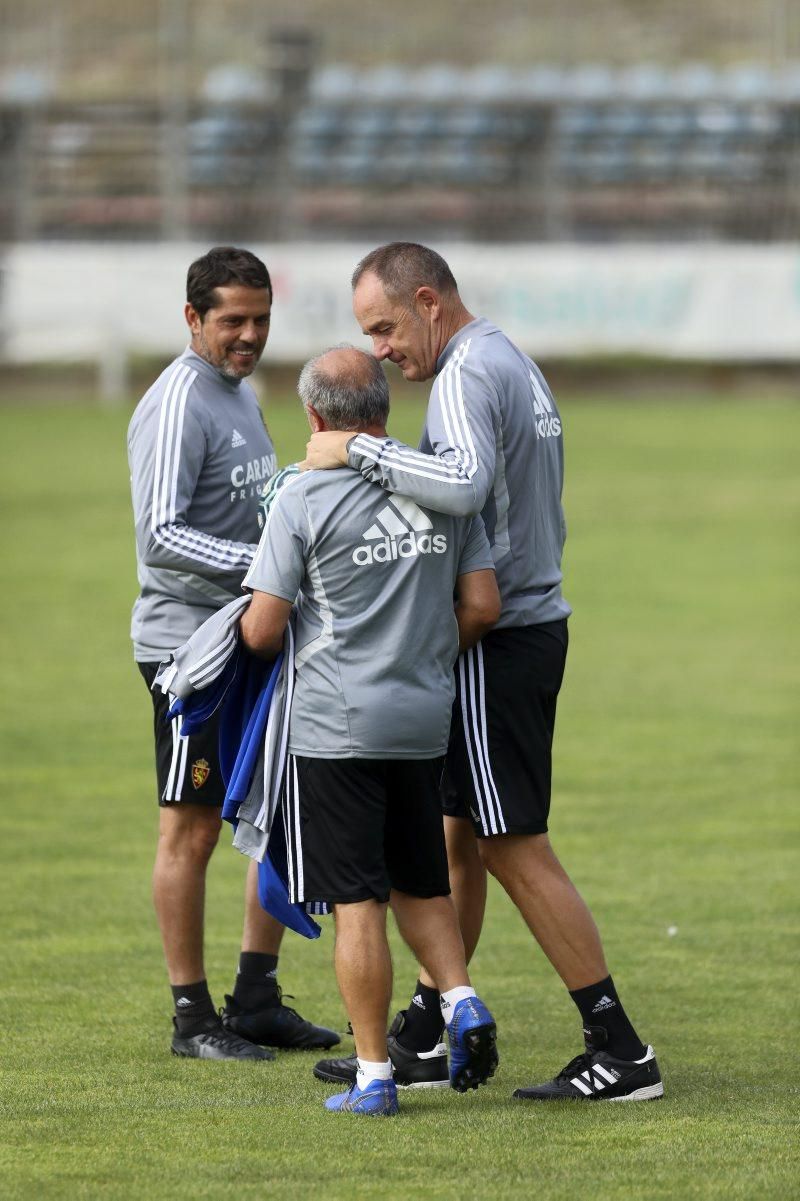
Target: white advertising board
[[730, 303]]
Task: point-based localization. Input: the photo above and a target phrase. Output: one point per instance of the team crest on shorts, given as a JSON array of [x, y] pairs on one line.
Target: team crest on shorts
[[200, 772]]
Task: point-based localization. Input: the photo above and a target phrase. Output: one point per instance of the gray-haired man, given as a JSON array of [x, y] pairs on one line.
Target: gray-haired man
[[372, 580]]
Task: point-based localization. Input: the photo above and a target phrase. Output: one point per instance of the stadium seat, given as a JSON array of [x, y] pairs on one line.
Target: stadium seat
[[467, 121], [359, 165], [591, 81], [666, 121], [490, 82], [748, 81], [578, 121], [388, 82], [318, 121], [437, 83], [787, 83], [310, 164], [420, 121], [226, 142], [626, 120], [27, 85], [647, 81], [235, 83], [695, 81], [365, 123], [336, 82], [544, 83]]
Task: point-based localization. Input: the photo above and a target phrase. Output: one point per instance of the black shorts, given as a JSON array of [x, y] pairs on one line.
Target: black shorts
[[357, 828], [498, 765], [187, 769]]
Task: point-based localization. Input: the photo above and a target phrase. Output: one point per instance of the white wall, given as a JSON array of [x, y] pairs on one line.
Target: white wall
[[101, 302]]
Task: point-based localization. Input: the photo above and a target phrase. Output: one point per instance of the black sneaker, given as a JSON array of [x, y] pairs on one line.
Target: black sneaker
[[412, 1069], [598, 1076], [276, 1025], [215, 1042]]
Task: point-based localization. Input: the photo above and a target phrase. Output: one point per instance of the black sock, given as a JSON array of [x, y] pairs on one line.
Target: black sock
[[424, 1024], [600, 1006], [194, 1009], [256, 981]]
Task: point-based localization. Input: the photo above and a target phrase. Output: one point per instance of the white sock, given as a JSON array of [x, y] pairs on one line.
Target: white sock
[[367, 1070], [450, 999]]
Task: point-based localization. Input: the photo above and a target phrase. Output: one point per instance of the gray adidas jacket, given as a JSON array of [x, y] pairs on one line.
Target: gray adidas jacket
[[372, 580], [492, 445], [199, 454]]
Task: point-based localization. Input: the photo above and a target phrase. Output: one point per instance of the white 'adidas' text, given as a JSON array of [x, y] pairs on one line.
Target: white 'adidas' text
[[401, 531]]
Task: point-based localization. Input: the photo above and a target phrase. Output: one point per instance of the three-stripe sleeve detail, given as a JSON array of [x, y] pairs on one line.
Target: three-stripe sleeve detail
[[462, 461], [207, 668], [164, 526]]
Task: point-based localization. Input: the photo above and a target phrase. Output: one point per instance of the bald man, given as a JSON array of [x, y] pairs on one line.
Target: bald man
[[372, 580]]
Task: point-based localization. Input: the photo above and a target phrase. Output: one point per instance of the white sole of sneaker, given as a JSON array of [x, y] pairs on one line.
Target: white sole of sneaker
[[650, 1093], [426, 1084]]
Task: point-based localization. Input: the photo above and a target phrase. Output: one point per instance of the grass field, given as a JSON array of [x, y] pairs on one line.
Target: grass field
[[675, 807]]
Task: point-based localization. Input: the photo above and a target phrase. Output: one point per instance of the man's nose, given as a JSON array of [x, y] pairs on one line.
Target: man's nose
[[250, 333], [381, 348]]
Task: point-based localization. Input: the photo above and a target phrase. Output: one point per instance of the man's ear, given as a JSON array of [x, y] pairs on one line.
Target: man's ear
[[316, 422], [428, 303], [193, 319]]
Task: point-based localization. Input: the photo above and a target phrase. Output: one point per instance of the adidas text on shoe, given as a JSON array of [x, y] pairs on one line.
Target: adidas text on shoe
[[377, 1100], [215, 1043], [598, 1076], [473, 1045], [418, 1069], [276, 1025]]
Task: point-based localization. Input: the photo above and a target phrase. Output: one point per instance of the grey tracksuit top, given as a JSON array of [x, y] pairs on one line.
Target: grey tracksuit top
[[375, 634], [492, 445], [198, 452]]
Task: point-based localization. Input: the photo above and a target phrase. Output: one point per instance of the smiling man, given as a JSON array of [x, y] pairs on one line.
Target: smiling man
[[199, 454], [492, 445]]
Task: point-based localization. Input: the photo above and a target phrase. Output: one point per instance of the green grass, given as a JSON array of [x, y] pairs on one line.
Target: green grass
[[675, 805]]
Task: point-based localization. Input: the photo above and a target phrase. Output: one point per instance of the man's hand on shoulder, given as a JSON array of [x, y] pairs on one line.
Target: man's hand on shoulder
[[326, 450]]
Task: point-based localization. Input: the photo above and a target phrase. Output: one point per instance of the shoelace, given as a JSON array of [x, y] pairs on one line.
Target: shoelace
[[576, 1067], [285, 1008], [288, 1008]]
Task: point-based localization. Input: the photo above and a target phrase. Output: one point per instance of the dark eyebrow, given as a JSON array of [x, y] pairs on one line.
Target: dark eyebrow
[[243, 316]]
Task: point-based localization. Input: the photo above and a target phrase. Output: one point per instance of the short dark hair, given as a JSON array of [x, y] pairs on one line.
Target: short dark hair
[[223, 265], [402, 267], [347, 400]]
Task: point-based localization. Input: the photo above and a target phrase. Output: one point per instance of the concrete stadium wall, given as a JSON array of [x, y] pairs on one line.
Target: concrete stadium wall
[[75, 302]]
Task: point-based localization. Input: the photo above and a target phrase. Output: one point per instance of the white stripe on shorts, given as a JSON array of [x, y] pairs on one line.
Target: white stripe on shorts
[[473, 714], [291, 829], [177, 767]]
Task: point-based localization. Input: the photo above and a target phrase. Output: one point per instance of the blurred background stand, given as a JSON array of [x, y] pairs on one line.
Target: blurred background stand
[[144, 135]]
